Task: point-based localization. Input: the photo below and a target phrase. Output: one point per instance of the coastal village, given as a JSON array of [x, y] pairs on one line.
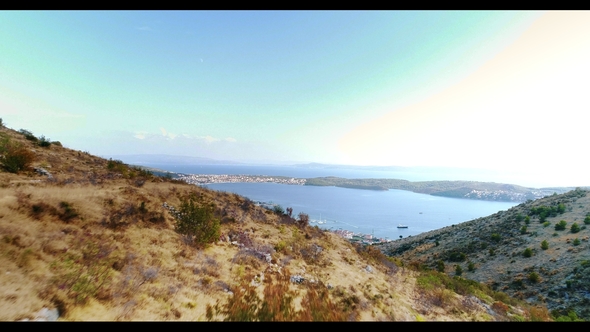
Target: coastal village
[[203, 179]]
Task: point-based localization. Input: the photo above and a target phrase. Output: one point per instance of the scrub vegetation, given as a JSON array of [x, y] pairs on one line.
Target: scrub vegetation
[[97, 239]]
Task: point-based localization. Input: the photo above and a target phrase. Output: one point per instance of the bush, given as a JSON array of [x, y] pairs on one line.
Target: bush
[[575, 228], [16, 158], [587, 220], [458, 270], [28, 135], [528, 252], [561, 225], [278, 210], [544, 245], [44, 142], [196, 220], [576, 242], [496, 237], [533, 277]]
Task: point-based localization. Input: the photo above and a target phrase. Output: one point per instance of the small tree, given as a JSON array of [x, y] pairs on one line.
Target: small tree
[[440, 266], [561, 225], [576, 242], [458, 270], [196, 220], [544, 245], [471, 267], [575, 228], [523, 230]]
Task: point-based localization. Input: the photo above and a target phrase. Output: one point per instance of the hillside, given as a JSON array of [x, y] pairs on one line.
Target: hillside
[[521, 251], [84, 238], [489, 191]]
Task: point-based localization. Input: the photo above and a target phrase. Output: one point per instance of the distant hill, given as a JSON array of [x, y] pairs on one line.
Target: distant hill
[[489, 191], [518, 251]]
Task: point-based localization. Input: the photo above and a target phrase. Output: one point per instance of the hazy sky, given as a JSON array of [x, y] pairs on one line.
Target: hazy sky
[[504, 90]]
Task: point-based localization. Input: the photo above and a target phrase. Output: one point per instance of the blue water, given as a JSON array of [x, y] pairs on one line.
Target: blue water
[[368, 211], [360, 211]]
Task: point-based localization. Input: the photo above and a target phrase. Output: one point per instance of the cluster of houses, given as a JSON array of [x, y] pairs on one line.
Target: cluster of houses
[[201, 179]]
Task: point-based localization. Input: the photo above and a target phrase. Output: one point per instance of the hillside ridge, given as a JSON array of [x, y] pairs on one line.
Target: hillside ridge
[[90, 239]]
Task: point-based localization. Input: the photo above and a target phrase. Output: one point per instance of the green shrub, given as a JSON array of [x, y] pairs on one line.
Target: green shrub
[[196, 220], [44, 142], [587, 220], [544, 245], [458, 270], [533, 277], [546, 224], [561, 225], [471, 267], [496, 237], [440, 266], [523, 230], [575, 228], [528, 252], [278, 210], [28, 135], [576, 242]]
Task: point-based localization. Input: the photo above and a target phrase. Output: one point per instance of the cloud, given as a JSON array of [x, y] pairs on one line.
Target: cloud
[[167, 134], [140, 135], [208, 139]]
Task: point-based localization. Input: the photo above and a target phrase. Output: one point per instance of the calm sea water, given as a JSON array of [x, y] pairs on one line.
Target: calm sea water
[[360, 211]]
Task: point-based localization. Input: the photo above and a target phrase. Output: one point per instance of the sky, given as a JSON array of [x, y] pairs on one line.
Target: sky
[[497, 90]]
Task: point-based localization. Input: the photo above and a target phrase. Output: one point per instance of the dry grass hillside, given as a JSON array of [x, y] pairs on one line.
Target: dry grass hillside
[[523, 252], [92, 239]]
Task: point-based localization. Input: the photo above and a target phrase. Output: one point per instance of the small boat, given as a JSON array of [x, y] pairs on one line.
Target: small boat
[[402, 226]]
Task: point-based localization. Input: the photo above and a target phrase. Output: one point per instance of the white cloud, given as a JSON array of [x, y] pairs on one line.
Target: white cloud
[[230, 139], [140, 135]]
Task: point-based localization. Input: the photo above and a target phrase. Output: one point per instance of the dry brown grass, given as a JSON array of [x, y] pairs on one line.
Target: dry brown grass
[[98, 244]]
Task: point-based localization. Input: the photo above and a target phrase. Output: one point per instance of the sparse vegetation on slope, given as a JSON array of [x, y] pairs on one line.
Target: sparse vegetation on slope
[[514, 263], [96, 239]]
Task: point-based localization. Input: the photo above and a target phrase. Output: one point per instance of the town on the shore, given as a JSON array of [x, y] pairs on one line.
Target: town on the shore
[[203, 179]]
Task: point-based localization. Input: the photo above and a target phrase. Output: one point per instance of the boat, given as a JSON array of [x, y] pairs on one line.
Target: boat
[[402, 226]]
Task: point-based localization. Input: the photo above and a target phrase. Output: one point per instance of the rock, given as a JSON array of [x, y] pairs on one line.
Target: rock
[[297, 279], [47, 315], [369, 269], [43, 171]]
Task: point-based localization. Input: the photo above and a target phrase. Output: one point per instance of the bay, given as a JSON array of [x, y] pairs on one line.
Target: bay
[[359, 211], [367, 211]]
